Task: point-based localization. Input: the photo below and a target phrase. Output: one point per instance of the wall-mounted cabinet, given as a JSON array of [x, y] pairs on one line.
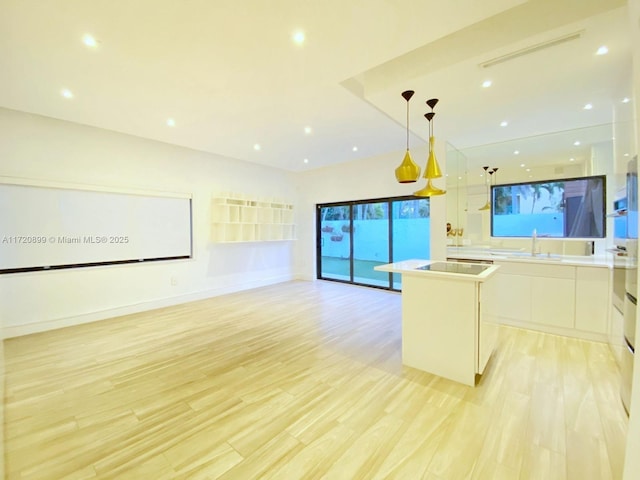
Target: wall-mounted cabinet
[[239, 218]]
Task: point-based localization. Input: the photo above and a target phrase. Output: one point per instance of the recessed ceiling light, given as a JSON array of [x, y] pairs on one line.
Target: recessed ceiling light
[[516, 152], [588, 106], [306, 160], [459, 178], [522, 164], [528, 170], [487, 83], [603, 50], [298, 37], [626, 100], [576, 143], [257, 146], [626, 155], [171, 122], [504, 123], [355, 149], [66, 93], [307, 130], [90, 41], [572, 159]]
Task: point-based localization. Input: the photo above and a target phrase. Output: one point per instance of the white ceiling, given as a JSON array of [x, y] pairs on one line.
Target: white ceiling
[[229, 74]]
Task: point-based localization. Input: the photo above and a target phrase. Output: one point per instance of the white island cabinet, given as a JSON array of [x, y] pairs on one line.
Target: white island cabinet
[[448, 328]]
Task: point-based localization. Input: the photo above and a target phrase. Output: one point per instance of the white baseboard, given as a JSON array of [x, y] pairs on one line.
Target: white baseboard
[[36, 327], [305, 277], [564, 332]]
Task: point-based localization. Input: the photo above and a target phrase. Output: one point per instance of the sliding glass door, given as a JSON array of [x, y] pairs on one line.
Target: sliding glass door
[[354, 237], [411, 232], [334, 243], [370, 243]]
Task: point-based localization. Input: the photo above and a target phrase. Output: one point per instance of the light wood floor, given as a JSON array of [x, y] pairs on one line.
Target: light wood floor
[[300, 381]]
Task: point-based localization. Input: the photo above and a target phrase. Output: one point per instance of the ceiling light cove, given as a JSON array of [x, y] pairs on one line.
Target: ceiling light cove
[[66, 93], [603, 50], [487, 84]]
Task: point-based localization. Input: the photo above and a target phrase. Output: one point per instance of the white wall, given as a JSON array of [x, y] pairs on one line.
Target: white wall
[[632, 459], [63, 153], [360, 180], [67, 154]]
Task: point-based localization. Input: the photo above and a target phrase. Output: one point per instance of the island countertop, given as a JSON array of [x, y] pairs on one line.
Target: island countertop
[[433, 268]]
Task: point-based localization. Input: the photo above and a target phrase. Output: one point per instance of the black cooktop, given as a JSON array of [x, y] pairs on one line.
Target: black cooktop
[[452, 267]]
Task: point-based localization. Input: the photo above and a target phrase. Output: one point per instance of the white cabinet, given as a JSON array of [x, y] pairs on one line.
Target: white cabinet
[[239, 218], [553, 301], [593, 299], [616, 335], [553, 296], [440, 336], [558, 298], [488, 327], [514, 297], [537, 294]]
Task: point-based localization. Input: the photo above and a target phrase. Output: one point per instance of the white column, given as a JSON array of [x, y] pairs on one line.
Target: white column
[[632, 459]]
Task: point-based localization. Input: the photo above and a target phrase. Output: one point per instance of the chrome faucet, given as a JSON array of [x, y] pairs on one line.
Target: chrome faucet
[[534, 241]]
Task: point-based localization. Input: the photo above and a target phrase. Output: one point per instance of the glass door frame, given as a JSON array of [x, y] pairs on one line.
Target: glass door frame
[[351, 204]]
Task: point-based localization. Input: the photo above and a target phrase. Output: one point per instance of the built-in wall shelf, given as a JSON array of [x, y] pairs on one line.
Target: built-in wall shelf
[[237, 217]]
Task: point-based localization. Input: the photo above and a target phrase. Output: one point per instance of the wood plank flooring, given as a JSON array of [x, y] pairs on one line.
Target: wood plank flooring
[[301, 380]]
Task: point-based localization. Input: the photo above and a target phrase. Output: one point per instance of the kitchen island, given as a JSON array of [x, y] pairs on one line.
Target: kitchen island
[[447, 325]]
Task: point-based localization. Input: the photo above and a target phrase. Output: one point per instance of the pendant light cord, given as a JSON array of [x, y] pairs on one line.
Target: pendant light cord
[[407, 125]]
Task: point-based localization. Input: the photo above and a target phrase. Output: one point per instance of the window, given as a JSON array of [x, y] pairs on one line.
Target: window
[[564, 208]]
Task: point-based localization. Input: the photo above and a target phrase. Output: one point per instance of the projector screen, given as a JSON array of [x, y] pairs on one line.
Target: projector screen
[[43, 228], [565, 208]]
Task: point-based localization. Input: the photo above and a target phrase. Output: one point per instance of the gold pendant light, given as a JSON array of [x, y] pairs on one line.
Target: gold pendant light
[[408, 171], [432, 170], [488, 182]]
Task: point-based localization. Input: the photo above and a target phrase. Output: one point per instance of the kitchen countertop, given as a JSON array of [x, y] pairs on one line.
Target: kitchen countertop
[[455, 270], [526, 257]]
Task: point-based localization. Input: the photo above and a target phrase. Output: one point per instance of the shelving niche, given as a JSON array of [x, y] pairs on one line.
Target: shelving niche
[[239, 218]]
